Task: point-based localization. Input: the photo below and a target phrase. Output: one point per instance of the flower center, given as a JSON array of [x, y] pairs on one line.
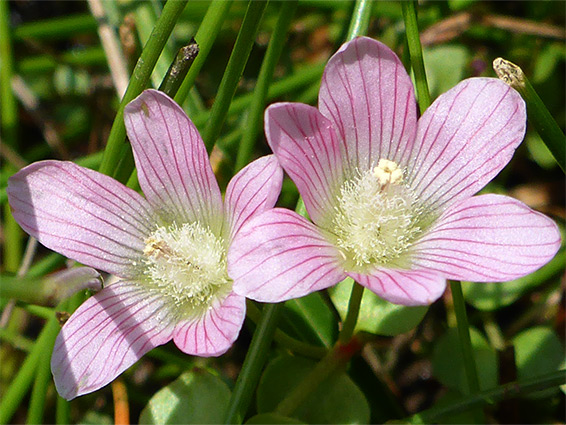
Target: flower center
[[188, 263], [377, 217]]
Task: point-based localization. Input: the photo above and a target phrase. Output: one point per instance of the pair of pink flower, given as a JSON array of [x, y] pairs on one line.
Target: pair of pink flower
[[390, 201]]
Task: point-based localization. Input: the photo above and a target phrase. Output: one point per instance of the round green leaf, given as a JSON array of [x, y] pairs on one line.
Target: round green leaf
[[538, 351], [196, 397], [272, 418], [445, 66], [377, 316], [448, 364], [336, 400]]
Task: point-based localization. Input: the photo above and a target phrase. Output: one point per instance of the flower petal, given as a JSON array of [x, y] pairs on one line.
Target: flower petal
[[278, 255], [254, 189], [487, 238], [405, 287], [464, 139], [369, 98], [107, 334], [81, 214], [173, 167], [215, 332], [307, 148]]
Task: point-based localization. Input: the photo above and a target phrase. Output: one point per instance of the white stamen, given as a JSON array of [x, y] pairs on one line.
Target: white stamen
[[187, 263], [377, 216]]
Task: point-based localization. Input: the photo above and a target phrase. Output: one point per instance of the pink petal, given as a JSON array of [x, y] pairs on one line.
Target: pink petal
[[107, 334], [369, 98], [278, 255], [464, 139], [253, 190], [405, 287], [81, 214], [487, 238], [307, 148], [215, 332], [173, 167]]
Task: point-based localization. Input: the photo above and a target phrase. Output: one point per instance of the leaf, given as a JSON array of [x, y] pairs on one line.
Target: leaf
[[336, 400], [310, 319], [377, 315], [448, 365], [272, 418], [196, 397], [445, 66], [493, 296], [538, 351]]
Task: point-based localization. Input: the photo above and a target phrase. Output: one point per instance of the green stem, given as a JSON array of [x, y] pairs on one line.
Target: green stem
[[41, 382], [205, 36], [234, 70], [254, 122], [349, 323], [503, 392], [277, 89], [537, 112], [118, 159], [62, 411], [12, 246], [466, 345], [255, 359], [294, 345], [179, 68], [360, 19], [59, 28], [464, 336], [416, 53], [336, 359], [18, 388]]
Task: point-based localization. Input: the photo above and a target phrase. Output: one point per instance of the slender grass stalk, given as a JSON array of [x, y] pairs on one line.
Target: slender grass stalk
[[360, 19], [502, 392], [78, 58], [59, 28], [277, 89], [464, 336], [251, 369], [205, 36], [416, 52], [537, 112], [179, 68], [233, 72], [18, 388], [118, 159], [466, 344], [12, 248], [254, 120], [62, 411], [41, 382]]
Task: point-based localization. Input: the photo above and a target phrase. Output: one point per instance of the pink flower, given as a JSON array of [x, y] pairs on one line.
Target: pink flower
[[170, 249], [391, 199]]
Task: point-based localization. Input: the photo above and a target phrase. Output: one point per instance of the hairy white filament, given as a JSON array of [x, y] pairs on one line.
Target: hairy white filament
[[377, 216], [187, 263]]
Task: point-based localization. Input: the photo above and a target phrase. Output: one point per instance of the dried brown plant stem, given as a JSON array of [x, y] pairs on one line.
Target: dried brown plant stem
[[112, 48]]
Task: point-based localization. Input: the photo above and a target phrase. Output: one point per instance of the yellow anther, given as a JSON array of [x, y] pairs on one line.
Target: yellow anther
[[388, 172]]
